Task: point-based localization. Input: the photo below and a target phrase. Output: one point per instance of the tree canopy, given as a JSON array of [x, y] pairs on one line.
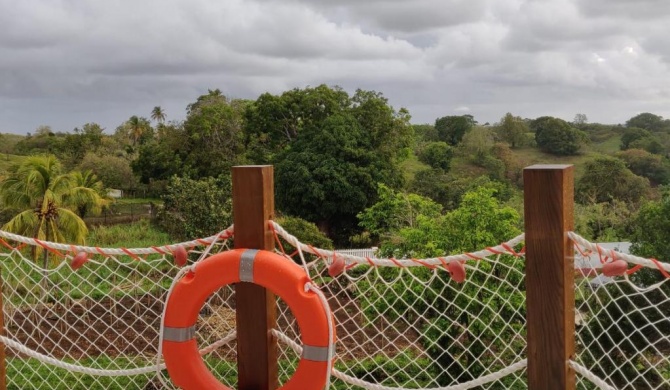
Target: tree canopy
[[607, 179], [214, 134], [648, 121], [451, 129], [652, 228], [437, 154], [512, 129], [329, 174], [196, 208], [645, 164], [556, 136]]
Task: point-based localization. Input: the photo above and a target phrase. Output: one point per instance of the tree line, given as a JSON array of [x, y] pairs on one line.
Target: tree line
[[332, 149]]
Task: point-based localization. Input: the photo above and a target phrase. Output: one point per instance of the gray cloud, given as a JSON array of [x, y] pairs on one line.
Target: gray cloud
[[647, 10], [65, 63], [401, 16]]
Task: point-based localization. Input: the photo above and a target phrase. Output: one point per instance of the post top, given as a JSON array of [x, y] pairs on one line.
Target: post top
[[549, 167], [251, 166]]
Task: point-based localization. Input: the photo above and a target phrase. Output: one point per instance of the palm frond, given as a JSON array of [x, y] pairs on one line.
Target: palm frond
[[72, 228], [23, 223]]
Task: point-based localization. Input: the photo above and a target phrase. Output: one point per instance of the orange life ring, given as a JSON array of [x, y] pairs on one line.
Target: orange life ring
[[270, 270]]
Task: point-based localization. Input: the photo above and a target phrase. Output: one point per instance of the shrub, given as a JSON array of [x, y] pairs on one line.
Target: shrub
[[196, 208], [438, 155]]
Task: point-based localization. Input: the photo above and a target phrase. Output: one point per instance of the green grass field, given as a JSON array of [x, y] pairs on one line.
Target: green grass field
[[531, 156], [140, 234], [609, 146], [406, 368]]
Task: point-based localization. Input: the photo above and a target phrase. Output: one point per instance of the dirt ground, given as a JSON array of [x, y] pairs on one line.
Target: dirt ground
[[129, 327]]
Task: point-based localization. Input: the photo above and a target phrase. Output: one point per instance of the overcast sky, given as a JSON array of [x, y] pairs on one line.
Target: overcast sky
[[67, 62]]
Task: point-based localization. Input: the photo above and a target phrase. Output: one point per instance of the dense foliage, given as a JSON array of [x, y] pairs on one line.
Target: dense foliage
[[196, 208], [607, 179], [336, 172], [416, 229], [438, 155], [633, 324], [452, 129], [556, 136], [512, 129]]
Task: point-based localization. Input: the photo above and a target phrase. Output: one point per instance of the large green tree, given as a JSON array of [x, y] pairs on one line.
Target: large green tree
[[113, 171], [165, 156], [87, 139], [213, 129], [648, 121], [437, 154], [388, 130], [329, 174], [557, 136], [273, 122], [196, 208], [451, 129], [477, 143], [512, 129]]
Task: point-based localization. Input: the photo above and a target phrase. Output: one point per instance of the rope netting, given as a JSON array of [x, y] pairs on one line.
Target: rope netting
[[622, 314], [454, 322]]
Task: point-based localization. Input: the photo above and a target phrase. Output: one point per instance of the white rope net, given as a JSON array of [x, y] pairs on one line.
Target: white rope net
[[623, 321], [102, 319], [404, 323]]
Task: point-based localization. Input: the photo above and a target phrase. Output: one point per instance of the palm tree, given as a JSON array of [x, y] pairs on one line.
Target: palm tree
[[158, 115], [88, 194], [136, 126], [41, 194]]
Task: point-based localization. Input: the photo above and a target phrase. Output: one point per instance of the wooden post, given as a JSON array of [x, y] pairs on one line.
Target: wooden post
[[3, 367], [256, 311], [550, 295]]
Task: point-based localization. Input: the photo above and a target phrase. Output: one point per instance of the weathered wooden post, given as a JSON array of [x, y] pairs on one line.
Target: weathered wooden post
[[256, 311], [550, 295]]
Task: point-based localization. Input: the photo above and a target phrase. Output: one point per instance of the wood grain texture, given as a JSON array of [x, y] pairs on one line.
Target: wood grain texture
[[550, 298], [256, 311]]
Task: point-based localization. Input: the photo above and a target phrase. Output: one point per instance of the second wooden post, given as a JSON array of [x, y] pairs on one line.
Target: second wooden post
[[256, 311], [550, 272]]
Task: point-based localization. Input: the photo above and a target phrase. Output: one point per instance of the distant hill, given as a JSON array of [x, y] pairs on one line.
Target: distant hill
[[607, 144]]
